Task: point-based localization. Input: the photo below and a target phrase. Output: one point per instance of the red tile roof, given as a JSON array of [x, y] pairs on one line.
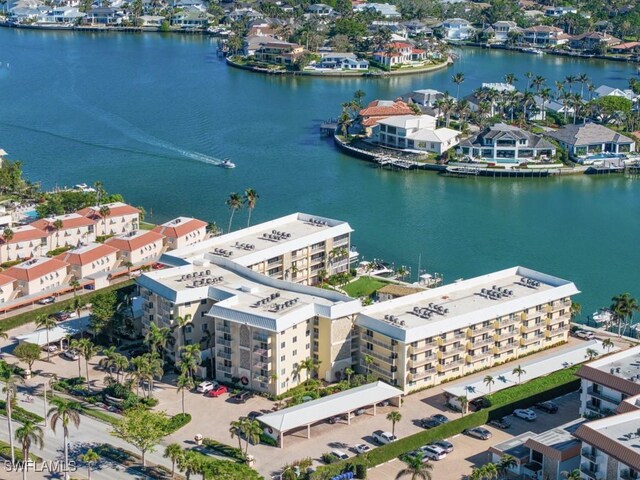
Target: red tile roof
[[418, 50], [400, 45], [39, 269], [117, 209], [24, 234], [374, 111], [5, 280], [176, 229], [88, 255], [72, 220], [128, 244]]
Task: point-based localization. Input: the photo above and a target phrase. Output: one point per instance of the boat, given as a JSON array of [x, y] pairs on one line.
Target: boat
[[535, 51], [226, 163], [602, 317]]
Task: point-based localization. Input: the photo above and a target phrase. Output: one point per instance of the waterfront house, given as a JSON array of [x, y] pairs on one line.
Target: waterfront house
[[63, 15], [416, 27], [545, 35], [607, 91], [398, 53], [593, 41], [182, 232], [68, 230], [342, 61], [627, 47], [94, 259], [118, 218], [456, 29], [279, 53], [502, 141], [106, 16], [559, 11], [589, 138], [542, 106], [138, 246], [190, 18], [415, 133], [255, 42], [151, 21], [27, 10], [384, 9], [7, 288], [245, 15], [26, 242], [39, 275], [426, 97], [502, 28], [320, 9], [381, 109]]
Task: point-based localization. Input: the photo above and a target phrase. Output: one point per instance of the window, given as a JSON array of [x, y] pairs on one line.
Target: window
[[203, 301], [295, 352], [308, 333], [188, 329], [205, 327], [283, 384], [307, 346], [283, 358], [283, 371], [295, 339], [283, 344], [315, 331]]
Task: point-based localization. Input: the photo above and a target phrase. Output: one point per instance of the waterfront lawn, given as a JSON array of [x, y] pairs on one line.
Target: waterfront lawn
[[364, 287], [147, 226]]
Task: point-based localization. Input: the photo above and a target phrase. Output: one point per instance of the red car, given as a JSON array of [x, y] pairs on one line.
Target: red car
[[158, 266], [216, 392]]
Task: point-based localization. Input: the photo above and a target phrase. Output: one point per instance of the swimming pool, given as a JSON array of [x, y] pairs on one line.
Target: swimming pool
[[32, 214]]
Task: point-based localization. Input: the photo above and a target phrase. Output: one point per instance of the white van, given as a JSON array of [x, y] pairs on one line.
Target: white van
[[383, 437], [340, 454], [433, 452]]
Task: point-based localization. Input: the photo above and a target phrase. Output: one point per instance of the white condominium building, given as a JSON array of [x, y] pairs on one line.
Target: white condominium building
[[295, 247], [258, 329], [423, 339]]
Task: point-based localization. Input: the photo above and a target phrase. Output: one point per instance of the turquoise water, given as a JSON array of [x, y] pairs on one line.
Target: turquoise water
[[150, 116]]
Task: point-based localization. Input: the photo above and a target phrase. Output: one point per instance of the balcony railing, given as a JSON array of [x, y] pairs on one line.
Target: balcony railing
[[370, 339], [482, 342], [384, 358], [221, 367], [452, 338], [480, 330], [531, 339], [602, 396], [532, 326], [381, 371], [421, 360], [479, 356], [627, 475], [223, 354], [261, 337], [586, 453], [422, 348], [584, 468], [223, 341], [451, 365], [452, 351], [507, 321], [421, 374], [505, 348], [505, 335], [223, 329]]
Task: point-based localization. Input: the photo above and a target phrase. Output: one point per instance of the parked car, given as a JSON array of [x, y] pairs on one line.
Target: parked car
[[429, 423], [383, 437], [360, 411], [158, 266], [361, 448], [433, 452], [50, 348], [205, 386], [217, 391], [61, 316], [446, 445], [340, 454], [525, 414], [71, 354], [384, 403], [47, 300], [440, 418], [479, 404], [414, 454], [548, 407], [478, 432], [584, 334], [335, 419], [242, 397], [501, 423], [253, 415]]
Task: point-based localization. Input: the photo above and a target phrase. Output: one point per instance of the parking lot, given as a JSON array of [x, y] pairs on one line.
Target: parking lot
[[469, 452]]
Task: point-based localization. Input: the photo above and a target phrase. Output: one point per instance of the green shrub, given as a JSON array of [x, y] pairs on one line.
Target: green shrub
[[177, 421], [19, 414], [361, 471], [329, 458], [224, 449], [267, 440], [149, 402]]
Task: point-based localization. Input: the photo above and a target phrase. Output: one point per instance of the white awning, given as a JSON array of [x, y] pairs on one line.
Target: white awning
[[60, 331], [340, 403]]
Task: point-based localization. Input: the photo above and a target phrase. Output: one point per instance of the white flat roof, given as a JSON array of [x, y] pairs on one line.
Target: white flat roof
[[534, 369], [463, 304], [60, 331], [240, 294], [261, 242], [339, 403]]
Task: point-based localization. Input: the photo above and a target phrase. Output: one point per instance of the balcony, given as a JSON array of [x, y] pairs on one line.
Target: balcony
[[531, 339], [370, 339], [261, 337], [421, 374], [452, 338], [586, 453], [505, 335], [223, 341], [452, 351], [263, 352], [476, 357], [377, 356], [531, 326], [262, 366], [261, 378], [223, 328], [505, 348], [585, 468], [602, 396], [450, 366], [375, 368], [422, 348], [474, 332], [223, 354], [555, 320], [421, 361], [626, 474], [221, 367], [481, 343], [506, 322]]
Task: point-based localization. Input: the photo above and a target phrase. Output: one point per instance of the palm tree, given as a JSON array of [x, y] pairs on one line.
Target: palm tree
[[348, 372], [90, 457], [7, 234], [185, 382], [252, 431], [57, 226], [87, 350], [570, 80], [139, 371], [489, 471], [10, 378], [120, 363], [307, 364], [75, 284], [48, 323], [488, 381], [28, 434], [3, 334], [583, 79], [105, 211], [510, 79], [528, 76], [368, 361], [591, 353], [75, 345], [66, 412], [234, 202], [181, 323], [189, 462], [538, 82], [575, 310], [608, 344], [127, 264], [191, 358], [77, 305], [173, 452], [394, 417], [157, 338], [572, 475], [464, 404], [415, 469], [237, 430], [458, 78], [506, 463], [107, 362], [623, 306], [250, 198], [519, 371]]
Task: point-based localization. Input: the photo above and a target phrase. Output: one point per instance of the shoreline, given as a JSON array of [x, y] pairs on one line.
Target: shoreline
[[342, 74]]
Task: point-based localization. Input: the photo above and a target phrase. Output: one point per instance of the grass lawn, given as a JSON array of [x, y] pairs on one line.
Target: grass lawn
[[147, 226], [363, 287]]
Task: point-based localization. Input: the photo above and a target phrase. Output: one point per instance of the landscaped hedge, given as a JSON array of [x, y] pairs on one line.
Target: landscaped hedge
[[502, 403], [19, 414], [26, 317], [177, 421], [224, 449], [5, 452]]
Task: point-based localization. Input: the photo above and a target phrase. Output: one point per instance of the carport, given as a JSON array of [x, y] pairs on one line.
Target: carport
[[58, 333], [306, 414]]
